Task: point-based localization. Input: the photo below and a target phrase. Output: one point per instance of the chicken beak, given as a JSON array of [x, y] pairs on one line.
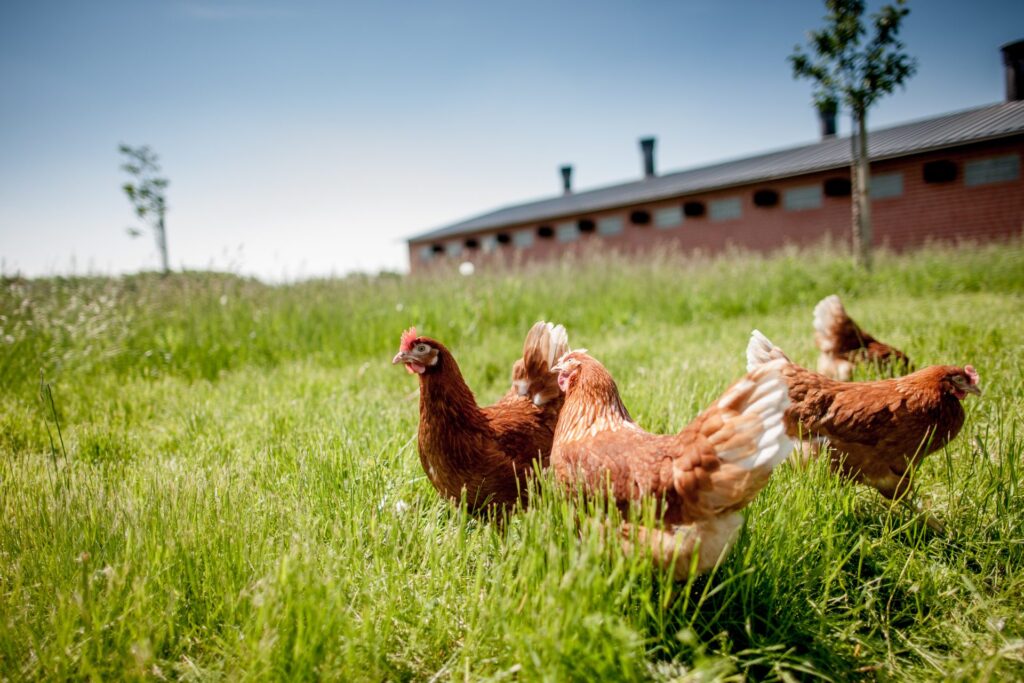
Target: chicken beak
[[400, 357], [973, 389]]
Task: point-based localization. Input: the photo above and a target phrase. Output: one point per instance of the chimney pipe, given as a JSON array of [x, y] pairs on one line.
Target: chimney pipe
[[1013, 59], [827, 119], [647, 147], [567, 179]]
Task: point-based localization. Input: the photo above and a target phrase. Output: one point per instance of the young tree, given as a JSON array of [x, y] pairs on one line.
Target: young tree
[[852, 71], [146, 194]]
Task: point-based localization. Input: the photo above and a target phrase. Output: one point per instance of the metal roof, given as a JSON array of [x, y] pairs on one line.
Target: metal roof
[[950, 130]]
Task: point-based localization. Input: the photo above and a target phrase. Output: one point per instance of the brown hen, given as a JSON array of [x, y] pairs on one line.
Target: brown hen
[[699, 478], [878, 431], [843, 344], [485, 453]]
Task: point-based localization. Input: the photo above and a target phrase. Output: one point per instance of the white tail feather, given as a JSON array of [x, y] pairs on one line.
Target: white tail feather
[[758, 414], [760, 351], [544, 345], [826, 312], [558, 344]]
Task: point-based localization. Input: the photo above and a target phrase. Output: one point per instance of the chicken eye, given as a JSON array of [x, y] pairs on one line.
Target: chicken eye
[[421, 348]]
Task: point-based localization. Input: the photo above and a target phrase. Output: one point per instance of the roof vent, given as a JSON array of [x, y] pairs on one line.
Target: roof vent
[[647, 147], [827, 119], [566, 179], [1013, 58]]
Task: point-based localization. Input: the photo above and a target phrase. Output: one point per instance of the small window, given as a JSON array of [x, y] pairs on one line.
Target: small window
[[609, 226], [693, 209], [567, 232], [994, 170], [725, 209], [426, 252], [942, 171], [802, 198], [503, 238], [886, 185], [523, 238], [545, 231], [489, 243], [670, 217], [585, 225], [837, 187], [472, 243], [640, 217], [454, 249], [437, 248], [766, 198]]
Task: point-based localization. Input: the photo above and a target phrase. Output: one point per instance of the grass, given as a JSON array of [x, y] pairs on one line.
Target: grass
[[225, 484]]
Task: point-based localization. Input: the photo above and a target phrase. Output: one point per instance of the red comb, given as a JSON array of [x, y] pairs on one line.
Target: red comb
[[408, 337], [972, 374]]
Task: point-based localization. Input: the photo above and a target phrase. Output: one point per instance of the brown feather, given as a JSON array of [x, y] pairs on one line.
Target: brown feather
[[844, 344], [877, 430], [597, 446], [487, 453]]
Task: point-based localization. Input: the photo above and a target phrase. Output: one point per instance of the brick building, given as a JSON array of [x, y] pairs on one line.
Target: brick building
[[955, 176]]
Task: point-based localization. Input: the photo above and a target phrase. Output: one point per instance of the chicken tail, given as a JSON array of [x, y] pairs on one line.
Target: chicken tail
[[761, 351], [745, 428], [532, 375], [829, 318], [751, 433]]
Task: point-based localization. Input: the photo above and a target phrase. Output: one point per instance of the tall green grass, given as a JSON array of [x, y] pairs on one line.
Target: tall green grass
[[225, 484]]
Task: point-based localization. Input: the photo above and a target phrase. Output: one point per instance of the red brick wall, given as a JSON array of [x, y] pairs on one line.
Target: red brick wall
[[924, 212], [950, 211]]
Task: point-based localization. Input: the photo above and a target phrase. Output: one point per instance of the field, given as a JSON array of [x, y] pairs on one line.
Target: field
[[207, 477]]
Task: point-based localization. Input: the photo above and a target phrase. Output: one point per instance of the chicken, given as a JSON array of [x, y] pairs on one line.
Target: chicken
[[843, 344], [700, 478], [485, 453], [878, 431]]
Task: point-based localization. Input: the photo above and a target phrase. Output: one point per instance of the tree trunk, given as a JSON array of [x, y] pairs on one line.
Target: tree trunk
[[854, 192], [861, 197], [161, 240]]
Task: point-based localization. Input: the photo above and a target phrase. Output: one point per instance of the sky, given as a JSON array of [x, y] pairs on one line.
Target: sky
[[304, 139]]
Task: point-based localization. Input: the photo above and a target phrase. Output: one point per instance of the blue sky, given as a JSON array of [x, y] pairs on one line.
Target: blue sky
[[308, 138]]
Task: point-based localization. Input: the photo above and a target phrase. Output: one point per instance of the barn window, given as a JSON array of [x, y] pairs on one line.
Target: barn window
[[669, 217], [545, 231], [766, 198], [585, 225], [503, 238], [489, 243], [640, 217], [941, 171], [612, 225], [567, 232], [454, 249], [693, 209], [802, 198], [1000, 169], [472, 243], [523, 238], [726, 209], [837, 187], [437, 248], [426, 252], [886, 185]]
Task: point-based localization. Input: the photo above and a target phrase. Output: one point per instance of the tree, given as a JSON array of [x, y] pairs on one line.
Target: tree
[[850, 71], [146, 194]]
